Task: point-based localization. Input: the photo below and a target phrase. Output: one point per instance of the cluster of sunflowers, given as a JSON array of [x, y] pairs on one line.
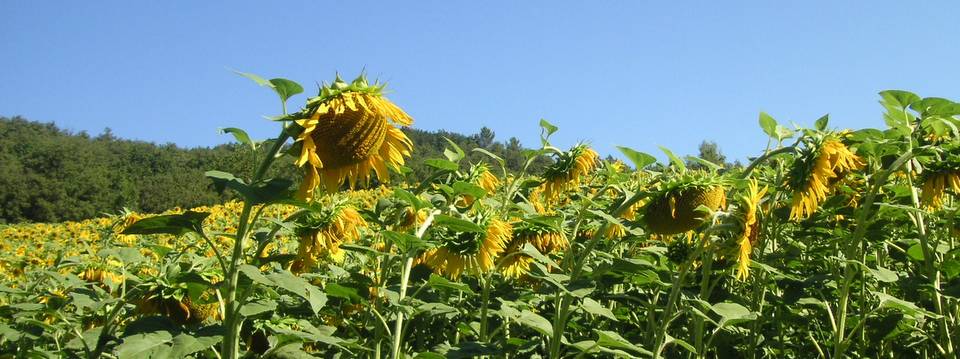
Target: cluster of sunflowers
[[653, 261]]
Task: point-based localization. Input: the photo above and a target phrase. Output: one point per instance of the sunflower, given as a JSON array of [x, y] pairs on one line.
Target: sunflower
[[470, 252], [569, 170], [481, 176], [322, 233], [674, 208], [751, 227], [937, 179], [544, 233], [349, 131], [514, 264], [820, 165]]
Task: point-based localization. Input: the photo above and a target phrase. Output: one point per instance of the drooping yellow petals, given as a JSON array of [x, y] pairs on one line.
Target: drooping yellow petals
[[585, 160], [751, 227], [935, 186], [451, 260], [832, 162], [347, 138], [344, 227]]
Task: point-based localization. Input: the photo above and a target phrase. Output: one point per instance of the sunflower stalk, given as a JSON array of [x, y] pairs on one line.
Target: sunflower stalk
[[404, 281], [850, 270]]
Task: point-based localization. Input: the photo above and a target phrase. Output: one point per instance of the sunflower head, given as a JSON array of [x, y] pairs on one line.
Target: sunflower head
[[748, 213], [467, 251], [322, 232], [937, 178], [675, 207], [543, 232], [348, 132], [820, 164], [569, 171]]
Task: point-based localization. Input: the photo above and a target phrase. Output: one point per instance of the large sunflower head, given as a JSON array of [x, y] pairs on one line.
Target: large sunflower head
[[937, 178], [821, 163], [569, 170], [350, 131], [322, 232], [467, 252], [674, 208], [749, 206], [543, 232]]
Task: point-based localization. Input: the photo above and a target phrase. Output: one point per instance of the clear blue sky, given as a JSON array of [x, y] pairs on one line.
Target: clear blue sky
[[631, 73]]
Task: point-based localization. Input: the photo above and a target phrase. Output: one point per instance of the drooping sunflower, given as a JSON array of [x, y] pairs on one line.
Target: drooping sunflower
[[350, 131], [674, 208], [751, 227], [321, 235], [937, 178], [481, 176], [467, 252], [569, 171], [820, 164], [544, 232]]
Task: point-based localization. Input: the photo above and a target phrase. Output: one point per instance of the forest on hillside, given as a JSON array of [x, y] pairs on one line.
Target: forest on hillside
[[49, 174]]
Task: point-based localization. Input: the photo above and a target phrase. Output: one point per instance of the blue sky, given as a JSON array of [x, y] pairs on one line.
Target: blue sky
[[631, 73]]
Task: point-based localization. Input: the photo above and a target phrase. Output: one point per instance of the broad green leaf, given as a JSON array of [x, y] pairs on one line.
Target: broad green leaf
[[185, 344], [822, 122], [457, 154], [536, 322], [593, 307], [732, 313], [456, 224], [610, 339], [547, 129], [676, 161], [436, 281], [899, 98], [285, 88], [241, 136], [469, 189], [257, 306], [639, 159], [175, 224], [441, 164], [769, 125], [268, 191], [145, 345]]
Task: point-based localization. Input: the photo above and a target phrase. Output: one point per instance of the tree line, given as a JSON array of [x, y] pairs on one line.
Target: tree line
[[49, 174]]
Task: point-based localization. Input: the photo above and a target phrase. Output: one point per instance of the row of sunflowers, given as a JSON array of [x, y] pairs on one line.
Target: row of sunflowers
[[830, 243]]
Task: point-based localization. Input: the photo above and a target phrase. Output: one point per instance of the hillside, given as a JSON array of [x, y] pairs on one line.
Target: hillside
[[48, 174]]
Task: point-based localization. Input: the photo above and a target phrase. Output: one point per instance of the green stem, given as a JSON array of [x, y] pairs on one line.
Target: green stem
[[404, 280]]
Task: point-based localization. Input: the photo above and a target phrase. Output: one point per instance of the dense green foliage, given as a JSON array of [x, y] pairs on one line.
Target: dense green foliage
[[48, 174]]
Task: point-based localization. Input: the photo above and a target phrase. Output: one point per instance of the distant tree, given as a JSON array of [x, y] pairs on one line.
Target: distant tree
[[485, 137], [710, 152]]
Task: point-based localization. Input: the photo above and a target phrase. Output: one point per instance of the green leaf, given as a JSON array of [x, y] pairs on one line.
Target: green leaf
[[889, 301], [593, 307], [184, 344], [145, 345], [456, 224], [676, 161], [490, 154], [255, 275], [769, 125], [268, 191], [821, 123], [436, 281], [261, 305], [469, 189], [547, 129], [536, 322], [175, 224], [340, 291], [241, 136], [442, 164], [285, 88], [259, 80], [732, 313], [639, 159], [457, 154], [405, 242], [899, 98], [610, 339]]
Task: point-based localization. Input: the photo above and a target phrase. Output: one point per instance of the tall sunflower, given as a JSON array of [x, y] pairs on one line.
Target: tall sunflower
[[349, 131], [322, 233], [545, 233], [751, 227], [821, 163], [569, 170], [467, 252], [674, 208], [937, 179], [481, 176]]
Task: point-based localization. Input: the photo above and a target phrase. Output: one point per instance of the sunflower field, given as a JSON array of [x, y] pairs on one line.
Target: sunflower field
[[831, 243]]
